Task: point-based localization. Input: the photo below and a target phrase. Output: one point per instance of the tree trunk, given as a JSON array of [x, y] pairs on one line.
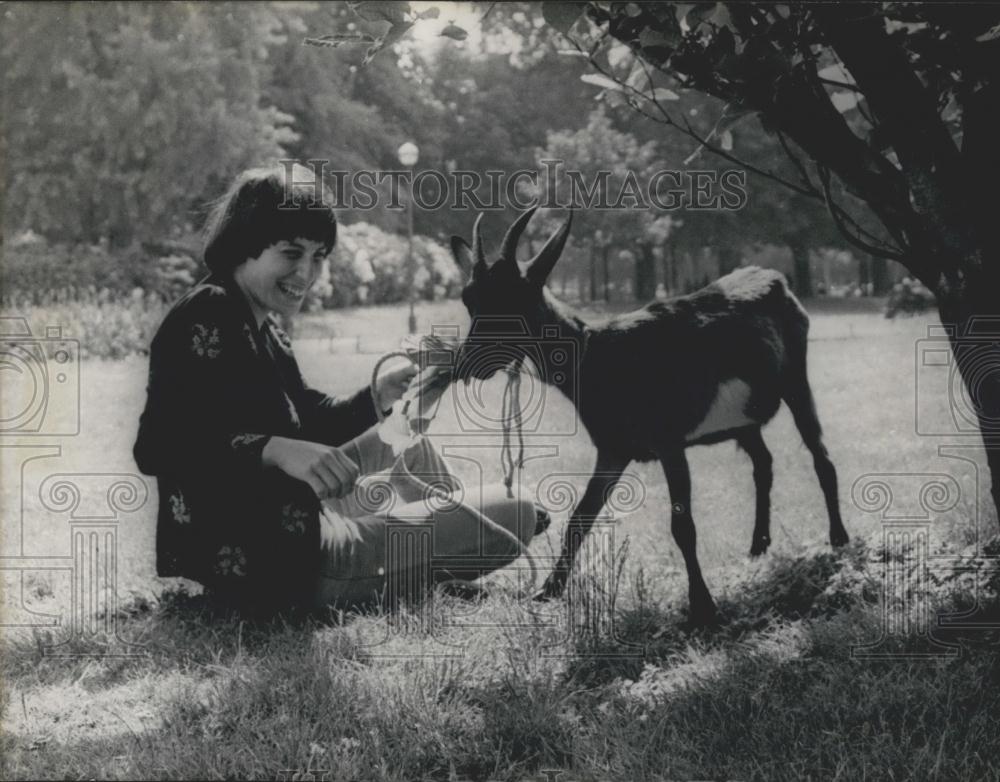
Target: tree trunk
[[669, 269], [865, 273], [802, 282], [645, 272], [593, 271], [881, 284], [874, 271], [690, 279], [605, 262], [729, 259], [973, 320]]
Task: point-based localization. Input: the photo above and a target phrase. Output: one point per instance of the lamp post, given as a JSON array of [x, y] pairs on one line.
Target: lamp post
[[408, 154]]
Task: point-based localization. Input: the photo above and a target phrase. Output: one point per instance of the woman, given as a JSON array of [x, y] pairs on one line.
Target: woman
[[256, 471]]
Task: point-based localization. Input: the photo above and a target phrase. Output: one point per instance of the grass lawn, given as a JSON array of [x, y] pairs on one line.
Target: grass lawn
[[505, 689]]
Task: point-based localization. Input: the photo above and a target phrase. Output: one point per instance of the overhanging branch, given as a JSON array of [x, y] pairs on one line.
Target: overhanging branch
[[837, 213]]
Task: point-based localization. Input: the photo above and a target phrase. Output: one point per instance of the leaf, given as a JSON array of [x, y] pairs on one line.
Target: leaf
[[637, 79], [732, 115], [836, 72], [602, 81], [614, 98], [431, 13], [322, 42], [690, 15], [339, 39], [844, 101], [662, 93], [720, 17], [681, 9], [654, 38], [990, 35], [381, 11], [453, 31], [561, 16], [618, 54]]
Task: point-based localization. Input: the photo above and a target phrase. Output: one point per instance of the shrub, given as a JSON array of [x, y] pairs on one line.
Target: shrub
[[909, 296], [370, 266], [36, 272], [106, 324]]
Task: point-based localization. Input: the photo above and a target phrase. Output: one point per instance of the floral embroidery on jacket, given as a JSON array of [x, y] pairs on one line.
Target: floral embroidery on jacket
[[206, 343], [293, 414], [294, 518], [230, 561], [242, 441], [281, 336], [248, 333], [179, 508]]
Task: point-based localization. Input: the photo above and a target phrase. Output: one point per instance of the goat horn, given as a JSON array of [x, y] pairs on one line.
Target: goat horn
[[541, 265], [508, 248], [477, 247]]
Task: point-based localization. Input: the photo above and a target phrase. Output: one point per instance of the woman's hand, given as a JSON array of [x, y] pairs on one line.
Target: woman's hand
[[392, 384], [326, 469]]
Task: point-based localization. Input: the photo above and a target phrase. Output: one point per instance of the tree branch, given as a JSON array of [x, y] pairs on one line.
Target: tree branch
[[840, 211], [687, 130], [908, 116], [836, 213], [795, 162]]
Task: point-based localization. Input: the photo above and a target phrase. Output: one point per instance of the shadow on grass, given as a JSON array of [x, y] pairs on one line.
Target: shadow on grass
[[178, 630], [786, 590], [772, 692]]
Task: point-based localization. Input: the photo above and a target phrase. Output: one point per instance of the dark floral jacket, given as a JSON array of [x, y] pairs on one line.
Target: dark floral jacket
[[219, 387]]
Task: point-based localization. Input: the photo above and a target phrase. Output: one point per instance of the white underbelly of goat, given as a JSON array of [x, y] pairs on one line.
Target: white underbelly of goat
[[728, 411]]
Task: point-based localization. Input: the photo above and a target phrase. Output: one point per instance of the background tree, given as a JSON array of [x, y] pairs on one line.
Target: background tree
[[772, 214], [124, 116], [602, 160]]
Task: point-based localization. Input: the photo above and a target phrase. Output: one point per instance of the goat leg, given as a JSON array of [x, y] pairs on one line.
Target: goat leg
[[606, 475], [675, 467]]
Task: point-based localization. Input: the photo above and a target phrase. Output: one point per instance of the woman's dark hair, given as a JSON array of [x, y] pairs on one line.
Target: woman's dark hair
[[265, 206]]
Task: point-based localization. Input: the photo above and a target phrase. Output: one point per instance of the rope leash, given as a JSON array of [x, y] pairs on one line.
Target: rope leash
[[511, 417]]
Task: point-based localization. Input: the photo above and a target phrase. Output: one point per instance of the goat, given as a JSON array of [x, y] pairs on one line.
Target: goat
[[698, 369]]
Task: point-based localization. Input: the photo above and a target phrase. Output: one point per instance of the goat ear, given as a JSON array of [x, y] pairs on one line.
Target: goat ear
[[463, 255], [540, 267]]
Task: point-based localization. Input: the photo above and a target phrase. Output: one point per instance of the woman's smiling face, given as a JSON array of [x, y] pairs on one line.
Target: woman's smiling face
[[279, 278]]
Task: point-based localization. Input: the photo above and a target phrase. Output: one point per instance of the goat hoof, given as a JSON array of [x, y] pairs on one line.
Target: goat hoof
[[542, 520], [703, 613], [551, 590], [464, 590], [760, 546], [839, 538]]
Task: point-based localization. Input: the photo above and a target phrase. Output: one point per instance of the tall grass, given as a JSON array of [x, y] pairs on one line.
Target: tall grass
[[107, 324]]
